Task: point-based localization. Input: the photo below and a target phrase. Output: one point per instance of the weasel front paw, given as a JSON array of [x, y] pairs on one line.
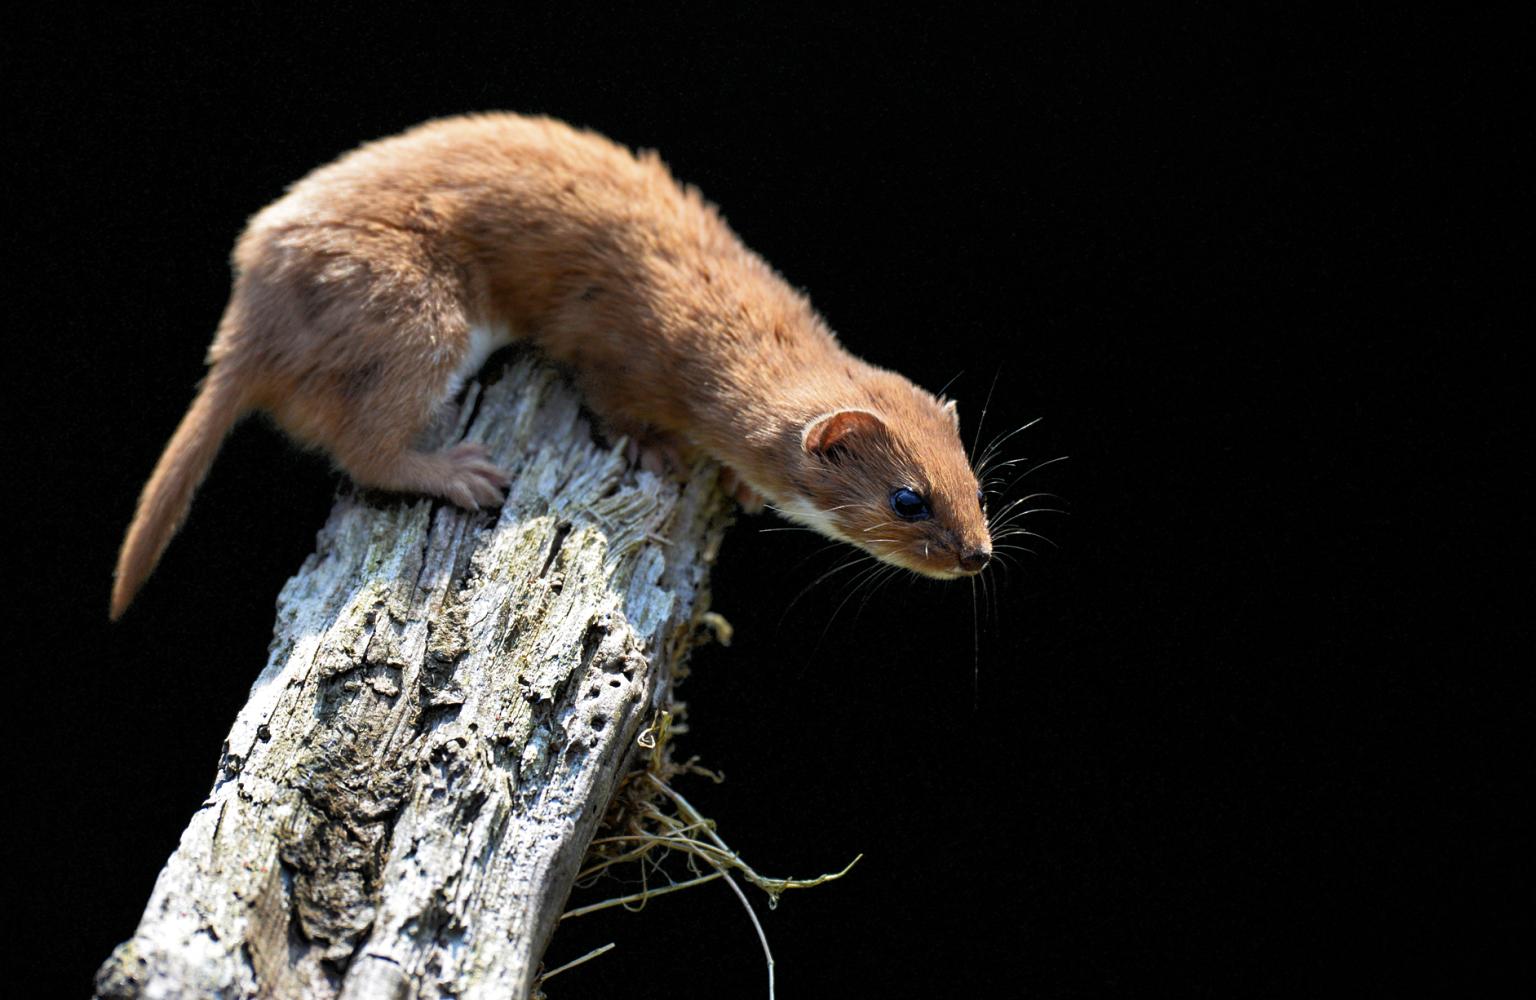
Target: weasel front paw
[[659, 454], [751, 501]]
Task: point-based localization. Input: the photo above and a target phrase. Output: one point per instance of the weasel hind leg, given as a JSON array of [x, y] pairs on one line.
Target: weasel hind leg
[[375, 364], [462, 474]]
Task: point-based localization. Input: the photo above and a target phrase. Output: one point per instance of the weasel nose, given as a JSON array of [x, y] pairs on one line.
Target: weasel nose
[[974, 560]]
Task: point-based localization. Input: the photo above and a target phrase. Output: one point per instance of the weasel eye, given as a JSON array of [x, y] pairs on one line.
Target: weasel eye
[[909, 506], [981, 498]]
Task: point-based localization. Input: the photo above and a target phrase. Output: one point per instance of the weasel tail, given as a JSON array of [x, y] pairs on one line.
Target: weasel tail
[[181, 469]]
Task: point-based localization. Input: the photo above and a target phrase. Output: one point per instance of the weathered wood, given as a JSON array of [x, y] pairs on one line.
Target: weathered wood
[[449, 700]]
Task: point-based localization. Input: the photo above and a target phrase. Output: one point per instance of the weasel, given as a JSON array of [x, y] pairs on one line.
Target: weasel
[[367, 294]]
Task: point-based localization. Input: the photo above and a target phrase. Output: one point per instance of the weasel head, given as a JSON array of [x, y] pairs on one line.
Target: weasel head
[[893, 479]]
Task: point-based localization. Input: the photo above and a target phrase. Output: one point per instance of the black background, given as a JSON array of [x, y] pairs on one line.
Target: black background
[[1249, 729]]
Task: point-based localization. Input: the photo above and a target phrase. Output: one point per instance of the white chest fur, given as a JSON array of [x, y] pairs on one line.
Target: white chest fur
[[804, 512]]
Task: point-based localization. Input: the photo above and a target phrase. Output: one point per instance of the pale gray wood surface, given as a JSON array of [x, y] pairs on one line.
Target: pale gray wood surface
[[448, 702]]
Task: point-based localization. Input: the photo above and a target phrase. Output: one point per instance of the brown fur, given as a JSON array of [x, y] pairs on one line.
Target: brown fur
[[355, 294]]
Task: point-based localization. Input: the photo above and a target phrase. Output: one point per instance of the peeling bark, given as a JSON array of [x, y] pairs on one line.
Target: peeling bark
[[450, 698]]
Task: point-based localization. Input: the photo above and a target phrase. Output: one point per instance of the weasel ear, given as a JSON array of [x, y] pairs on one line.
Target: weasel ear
[[838, 429], [954, 414]]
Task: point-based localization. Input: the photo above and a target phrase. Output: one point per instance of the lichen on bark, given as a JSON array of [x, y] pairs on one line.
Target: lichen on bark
[[447, 705]]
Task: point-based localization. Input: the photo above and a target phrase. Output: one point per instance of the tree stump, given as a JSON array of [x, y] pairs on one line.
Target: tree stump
[[449, 701]]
